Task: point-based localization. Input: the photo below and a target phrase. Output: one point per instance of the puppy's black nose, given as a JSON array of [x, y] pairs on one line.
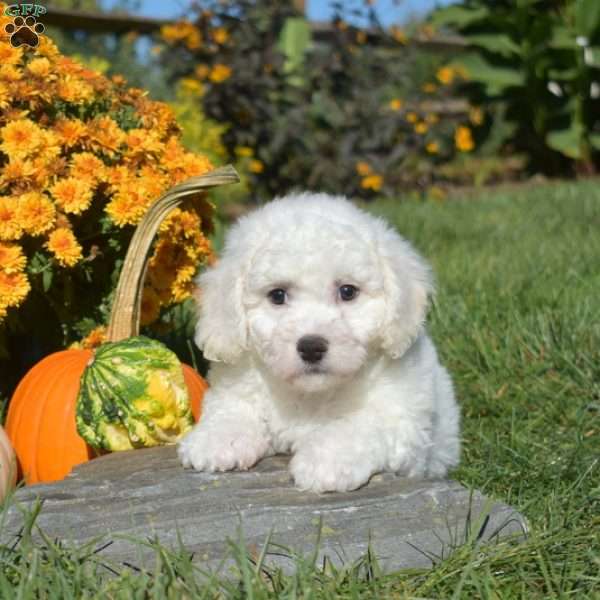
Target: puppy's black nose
[[312, 348]]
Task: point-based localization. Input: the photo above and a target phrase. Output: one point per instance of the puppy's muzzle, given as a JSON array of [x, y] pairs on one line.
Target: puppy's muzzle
[[312, 348]]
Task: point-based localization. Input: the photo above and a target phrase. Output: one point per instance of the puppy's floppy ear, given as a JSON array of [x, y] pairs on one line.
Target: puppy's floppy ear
[[221, 332], [408, 283]]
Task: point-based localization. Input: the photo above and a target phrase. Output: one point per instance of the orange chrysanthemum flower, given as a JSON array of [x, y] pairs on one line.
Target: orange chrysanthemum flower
[[62, 243], [69, 131], [39, 67], [129, 203], [10, 229], [105, 135], [142, 141], [36, 213], [10, 55], [85, 165], [72, 89], [10, 73], [12, 259], [21, 138], [73, 195], [14, 287]]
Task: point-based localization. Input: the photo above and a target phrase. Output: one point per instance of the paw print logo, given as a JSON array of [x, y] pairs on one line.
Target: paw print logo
[[24, 31]]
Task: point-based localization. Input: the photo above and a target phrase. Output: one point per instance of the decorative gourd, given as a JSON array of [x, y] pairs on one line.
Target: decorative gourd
[[133, 394], [8, 465], [41, 418]]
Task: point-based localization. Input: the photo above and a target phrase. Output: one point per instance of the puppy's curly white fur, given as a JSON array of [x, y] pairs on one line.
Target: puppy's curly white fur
[[314, 316]]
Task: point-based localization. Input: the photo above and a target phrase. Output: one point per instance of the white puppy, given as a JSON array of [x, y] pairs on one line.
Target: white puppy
[[315, 317]]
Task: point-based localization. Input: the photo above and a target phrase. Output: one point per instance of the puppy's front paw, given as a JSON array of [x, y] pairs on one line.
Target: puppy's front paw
[[207, 449], [314, 470]]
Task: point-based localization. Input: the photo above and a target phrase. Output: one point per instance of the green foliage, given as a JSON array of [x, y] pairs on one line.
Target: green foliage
[[539, 60], [304, 111]]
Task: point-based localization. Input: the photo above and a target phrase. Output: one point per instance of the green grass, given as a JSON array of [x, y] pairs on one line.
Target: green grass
[[517, 321]]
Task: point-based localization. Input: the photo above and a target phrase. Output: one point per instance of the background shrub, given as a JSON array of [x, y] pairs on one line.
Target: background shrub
[[535, 66], [344, 115]]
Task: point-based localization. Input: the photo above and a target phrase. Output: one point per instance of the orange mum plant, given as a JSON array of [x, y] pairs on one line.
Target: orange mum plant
[[82, 157]]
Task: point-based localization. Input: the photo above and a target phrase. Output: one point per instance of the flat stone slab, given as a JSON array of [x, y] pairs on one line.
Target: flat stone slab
[[142, 494]]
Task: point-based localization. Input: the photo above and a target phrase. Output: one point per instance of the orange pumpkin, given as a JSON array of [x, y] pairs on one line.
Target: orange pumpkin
[[41, 416]]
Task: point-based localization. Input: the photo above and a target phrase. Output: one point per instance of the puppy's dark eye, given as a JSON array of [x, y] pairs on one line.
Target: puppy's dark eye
[[277, 296], [348, 292]]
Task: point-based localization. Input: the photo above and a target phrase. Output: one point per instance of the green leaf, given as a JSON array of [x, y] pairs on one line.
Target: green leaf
[[496, 79], [587, 17], [47, 276], [595, 141], [497, 43], [567, 141], [459, 16], [294, 41], [562, 38]]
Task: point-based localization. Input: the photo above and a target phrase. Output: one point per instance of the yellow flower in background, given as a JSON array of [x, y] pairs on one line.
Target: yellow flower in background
[[12, 259], [21, 138], [445, 75], [36, 213], [13, 288], [191, 86], [185, 32], [432, 118], [399, 35], [429, 88], [463, 139], [10, 229], [412, 117], [476, 115], [396, 104], [421, 127], [372, 182], [72, 194], [363, 168], [202, 71], [256, 166], [432, 147], [220, 73], [66, 249], [220, 35], [244, 151]]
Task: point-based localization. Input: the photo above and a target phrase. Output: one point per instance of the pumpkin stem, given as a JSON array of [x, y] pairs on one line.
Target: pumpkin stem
[[125, 315]]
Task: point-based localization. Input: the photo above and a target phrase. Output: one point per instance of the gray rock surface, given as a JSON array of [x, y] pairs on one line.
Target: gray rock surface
[[142, 494]]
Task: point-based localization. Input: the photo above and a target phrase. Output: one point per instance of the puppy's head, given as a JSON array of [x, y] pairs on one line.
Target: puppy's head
[[313, 287]]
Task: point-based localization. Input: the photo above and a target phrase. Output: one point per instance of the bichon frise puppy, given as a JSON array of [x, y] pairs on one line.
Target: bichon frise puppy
[[314, 316]]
